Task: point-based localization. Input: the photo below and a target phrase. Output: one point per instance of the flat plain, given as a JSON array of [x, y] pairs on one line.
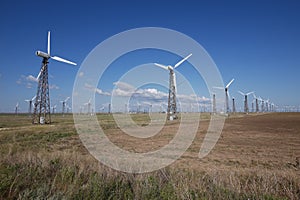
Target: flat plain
[[256, 157]]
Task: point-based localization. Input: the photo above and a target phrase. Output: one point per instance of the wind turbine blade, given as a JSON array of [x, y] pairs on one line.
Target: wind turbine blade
[[228, 94], [38, 76], [63, 60], [161, 66], [67, 99], [221, 88], [254, 96], [27, 100], [229, 83], [48, 46], [33, 98], [249, 93], [241, 93], [179, 63]]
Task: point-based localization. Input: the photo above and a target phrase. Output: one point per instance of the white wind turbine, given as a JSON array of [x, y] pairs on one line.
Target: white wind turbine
[[267, 104], [64, 105], [88, 104], [47, 56], [17, 108], [256, 102], [226, 94], [42, 102], [30, 101], [246, 109], [53, 109], [172, 108], [262, 104]]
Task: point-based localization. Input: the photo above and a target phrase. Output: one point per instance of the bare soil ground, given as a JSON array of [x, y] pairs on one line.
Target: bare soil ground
[[266, 141]]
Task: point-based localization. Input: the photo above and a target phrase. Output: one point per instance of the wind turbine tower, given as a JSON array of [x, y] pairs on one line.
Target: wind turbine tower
[[41, 113], [64, 105], [226, 95], [17, 108], [267, 105], [262, 105], [53, 109], [172, 108], [88, 104], [30, 104], [233, 105], [246, 109], [214, 104], [256, 103]]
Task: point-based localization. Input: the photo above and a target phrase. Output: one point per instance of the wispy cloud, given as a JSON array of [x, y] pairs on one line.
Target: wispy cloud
[[53, 87], [31, 78], [27, 81], [97, 90]]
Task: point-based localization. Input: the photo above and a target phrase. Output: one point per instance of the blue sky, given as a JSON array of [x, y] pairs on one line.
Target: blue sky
[[255, 42]]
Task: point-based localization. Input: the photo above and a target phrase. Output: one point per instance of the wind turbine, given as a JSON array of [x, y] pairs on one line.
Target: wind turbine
[[17, 108], [267, 105], [41, 113], [68, 108], [256, 103], [109, 108], [214, 108], [30, 104], [246, 109], [262, 104], [101, 109], [64, 105], [53, 109], [88, 104], [233, 105], [226, 94], [172, 108]]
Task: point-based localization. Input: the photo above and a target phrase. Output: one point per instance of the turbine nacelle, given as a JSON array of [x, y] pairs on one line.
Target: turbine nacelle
[[42, 54]]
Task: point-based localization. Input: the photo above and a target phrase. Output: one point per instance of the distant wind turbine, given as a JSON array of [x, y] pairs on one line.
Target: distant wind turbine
[[30, 103], [226, 94], [246, 109], [64, 105]]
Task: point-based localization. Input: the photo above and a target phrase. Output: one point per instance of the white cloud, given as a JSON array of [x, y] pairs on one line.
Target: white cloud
[[97, 90], [31, 78], [53, 87], [27, 81], [124, 86], [152, 96]]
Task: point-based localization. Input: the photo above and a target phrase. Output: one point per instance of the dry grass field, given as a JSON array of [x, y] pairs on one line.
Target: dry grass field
[[256, 157]]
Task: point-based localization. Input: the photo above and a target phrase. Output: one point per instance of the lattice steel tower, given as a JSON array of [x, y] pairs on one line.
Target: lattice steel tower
[[41, 114]]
